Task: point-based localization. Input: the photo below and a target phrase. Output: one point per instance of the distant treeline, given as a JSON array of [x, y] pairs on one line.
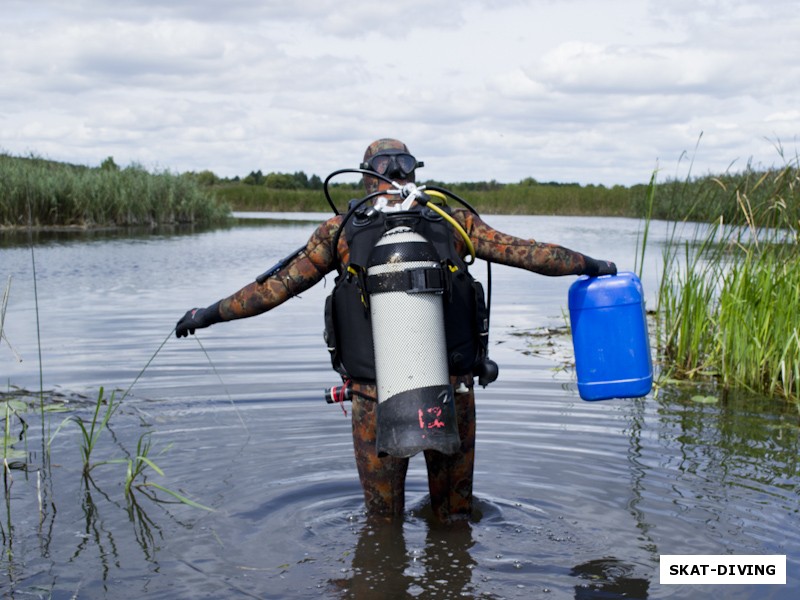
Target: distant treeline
[[47, 193], [698, 198], [300, 192]]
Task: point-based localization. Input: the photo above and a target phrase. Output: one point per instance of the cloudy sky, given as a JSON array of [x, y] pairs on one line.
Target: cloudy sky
[[589, 91]]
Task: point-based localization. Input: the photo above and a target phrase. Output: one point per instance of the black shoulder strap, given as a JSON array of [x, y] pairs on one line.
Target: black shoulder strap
[[367, 226], [362, 232]]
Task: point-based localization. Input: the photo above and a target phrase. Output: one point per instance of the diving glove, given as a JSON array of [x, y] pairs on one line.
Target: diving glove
[[595, 268], [197, 318]]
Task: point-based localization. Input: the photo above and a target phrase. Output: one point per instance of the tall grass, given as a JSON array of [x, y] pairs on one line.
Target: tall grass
[[60, 194], [728, 298], [759, 345], [526, 197], [243, 197], [43, 193], [530, 197], [770, 194], [699, 199], [686, 297]]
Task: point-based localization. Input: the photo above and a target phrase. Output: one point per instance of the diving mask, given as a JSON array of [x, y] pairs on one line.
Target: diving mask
[[392, 164]]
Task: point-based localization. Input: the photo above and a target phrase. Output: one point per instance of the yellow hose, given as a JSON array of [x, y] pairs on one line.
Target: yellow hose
[[454, 223]]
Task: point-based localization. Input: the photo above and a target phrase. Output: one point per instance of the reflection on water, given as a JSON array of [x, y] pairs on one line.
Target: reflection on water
[[574, 499], [608, 578], [383, 564]]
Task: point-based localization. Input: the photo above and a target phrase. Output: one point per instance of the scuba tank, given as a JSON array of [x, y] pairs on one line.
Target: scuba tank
[[416, 407], [386, 321]]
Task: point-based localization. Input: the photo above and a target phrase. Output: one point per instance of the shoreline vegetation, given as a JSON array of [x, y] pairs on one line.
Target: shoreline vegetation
[[43, 194], [726, 302], [726, 309]]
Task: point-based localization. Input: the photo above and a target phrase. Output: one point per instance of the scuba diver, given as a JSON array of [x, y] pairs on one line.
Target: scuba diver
[[406, 324]]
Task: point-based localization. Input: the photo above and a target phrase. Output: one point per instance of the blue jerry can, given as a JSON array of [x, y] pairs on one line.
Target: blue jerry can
[[609, 336]]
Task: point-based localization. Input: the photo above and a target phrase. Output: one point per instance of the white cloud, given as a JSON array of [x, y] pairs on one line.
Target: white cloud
[[579, 67], [505, 89]]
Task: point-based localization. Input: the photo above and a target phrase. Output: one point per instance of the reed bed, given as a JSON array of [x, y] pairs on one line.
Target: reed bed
[[488, 197], [701, 199], [530, 197], [244, 197], [44, 193], [41, 193], [727, 305]]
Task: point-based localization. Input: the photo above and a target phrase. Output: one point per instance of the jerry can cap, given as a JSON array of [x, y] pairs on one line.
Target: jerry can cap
[[605, 291]]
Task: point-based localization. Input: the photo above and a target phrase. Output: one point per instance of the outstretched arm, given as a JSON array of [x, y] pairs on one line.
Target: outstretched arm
[[300, 272], [545, 259]]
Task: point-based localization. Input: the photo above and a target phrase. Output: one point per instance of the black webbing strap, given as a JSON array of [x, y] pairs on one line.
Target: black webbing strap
[[413, 281]]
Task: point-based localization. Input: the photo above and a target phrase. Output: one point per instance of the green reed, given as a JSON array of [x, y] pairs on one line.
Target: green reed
[[759, 341], [530, 197], [136, 470], [44, 193], [703, 199], [685, 307], [491, 198], [718, 197], [60, 194], [92, 429], [3, 307], [243, 197], [727, 299]]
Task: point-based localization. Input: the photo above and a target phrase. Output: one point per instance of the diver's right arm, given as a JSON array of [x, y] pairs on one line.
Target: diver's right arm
[[300, 272], [538, 257]]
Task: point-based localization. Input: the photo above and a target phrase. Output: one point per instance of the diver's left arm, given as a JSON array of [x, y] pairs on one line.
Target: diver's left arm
[[542, 258], [299, 273], [295, 274]]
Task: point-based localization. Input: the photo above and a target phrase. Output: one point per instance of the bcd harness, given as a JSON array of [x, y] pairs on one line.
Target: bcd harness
[[348, 327]]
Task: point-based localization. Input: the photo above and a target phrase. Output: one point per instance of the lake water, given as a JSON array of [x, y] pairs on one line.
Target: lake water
[[574, 499]]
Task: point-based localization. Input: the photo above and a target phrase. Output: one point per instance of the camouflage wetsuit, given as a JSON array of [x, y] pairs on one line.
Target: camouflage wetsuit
[[383, 479]]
